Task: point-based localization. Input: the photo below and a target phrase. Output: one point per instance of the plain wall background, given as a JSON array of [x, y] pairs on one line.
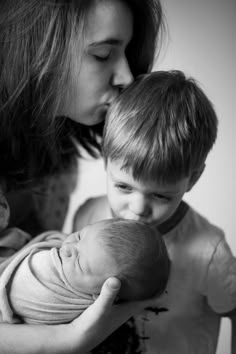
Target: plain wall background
[[202, 43]]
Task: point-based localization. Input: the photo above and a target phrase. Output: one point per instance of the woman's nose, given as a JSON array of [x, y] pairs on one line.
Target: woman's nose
[[140, 206], [122, 76]]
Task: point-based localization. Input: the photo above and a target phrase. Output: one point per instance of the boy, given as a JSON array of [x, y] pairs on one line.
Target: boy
[[54, 281], [156, 140]]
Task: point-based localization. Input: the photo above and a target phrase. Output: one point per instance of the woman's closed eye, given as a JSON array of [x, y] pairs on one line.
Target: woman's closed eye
[[102, 57], [102, 54]]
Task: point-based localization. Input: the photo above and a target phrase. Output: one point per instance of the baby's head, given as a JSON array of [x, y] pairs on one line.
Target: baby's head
[[129, 250], [139, 251], [157, 136]]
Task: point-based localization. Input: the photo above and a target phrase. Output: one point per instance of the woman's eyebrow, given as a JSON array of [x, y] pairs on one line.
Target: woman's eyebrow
[[110, 41]]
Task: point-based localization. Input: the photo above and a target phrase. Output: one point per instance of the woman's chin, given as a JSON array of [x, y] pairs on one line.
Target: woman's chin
[[92, 119]]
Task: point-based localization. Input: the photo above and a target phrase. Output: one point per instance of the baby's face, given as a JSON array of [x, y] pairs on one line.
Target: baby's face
[[85, 260]]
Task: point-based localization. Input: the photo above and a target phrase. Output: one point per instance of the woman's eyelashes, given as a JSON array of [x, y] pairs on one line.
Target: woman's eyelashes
[[102, 58], [102, 54]]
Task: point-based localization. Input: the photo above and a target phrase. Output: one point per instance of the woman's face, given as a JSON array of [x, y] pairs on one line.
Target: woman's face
[[103, 69]]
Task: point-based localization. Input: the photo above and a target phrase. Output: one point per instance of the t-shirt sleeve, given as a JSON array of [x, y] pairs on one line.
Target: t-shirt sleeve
[[221, 279]]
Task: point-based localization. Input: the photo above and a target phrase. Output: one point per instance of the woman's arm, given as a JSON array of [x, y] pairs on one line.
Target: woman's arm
[[79, 336]]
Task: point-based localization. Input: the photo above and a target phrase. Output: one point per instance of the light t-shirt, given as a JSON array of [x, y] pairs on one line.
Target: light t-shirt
[[202, 285]]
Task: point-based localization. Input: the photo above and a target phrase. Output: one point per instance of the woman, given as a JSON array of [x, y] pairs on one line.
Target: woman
[[61, 65]]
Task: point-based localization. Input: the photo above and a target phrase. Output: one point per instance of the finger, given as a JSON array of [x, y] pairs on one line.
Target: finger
[[109, 292]]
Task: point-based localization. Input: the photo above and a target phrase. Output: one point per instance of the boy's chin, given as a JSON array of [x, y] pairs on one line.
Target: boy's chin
[[127, 215], [131, 216]]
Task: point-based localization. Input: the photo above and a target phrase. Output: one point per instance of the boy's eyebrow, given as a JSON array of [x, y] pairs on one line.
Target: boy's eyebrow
[[170, 192], [110, 41], [115, 178]]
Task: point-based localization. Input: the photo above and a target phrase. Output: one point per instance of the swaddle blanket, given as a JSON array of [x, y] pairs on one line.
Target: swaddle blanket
[[33, 288]]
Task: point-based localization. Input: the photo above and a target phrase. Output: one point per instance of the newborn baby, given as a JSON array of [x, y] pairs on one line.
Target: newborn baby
[[56, 280]]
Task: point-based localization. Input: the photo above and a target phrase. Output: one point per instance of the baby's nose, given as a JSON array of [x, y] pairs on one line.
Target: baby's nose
[[67, 249]]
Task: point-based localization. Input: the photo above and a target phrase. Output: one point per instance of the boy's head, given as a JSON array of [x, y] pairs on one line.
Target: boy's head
[[130, 250], [157, 136]]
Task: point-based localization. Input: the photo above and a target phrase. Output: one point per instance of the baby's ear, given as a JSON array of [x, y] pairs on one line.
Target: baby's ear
[[195, 177], [95, 296]]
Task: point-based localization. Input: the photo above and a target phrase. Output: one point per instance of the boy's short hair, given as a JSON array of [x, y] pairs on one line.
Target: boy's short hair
[[162, 126], [141, 257]]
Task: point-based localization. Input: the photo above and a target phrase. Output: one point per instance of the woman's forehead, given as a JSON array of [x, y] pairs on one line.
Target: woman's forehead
[[109, 19]]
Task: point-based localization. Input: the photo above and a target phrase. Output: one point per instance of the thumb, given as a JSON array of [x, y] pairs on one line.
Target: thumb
[[109, 292]]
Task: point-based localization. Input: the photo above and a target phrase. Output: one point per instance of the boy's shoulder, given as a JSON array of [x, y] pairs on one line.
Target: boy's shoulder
[[212, 252], [200, 224], [92, 210], [198, 247], [195, 230]]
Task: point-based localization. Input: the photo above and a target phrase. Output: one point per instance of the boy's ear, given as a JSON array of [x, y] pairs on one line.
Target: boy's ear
[[195, 177]]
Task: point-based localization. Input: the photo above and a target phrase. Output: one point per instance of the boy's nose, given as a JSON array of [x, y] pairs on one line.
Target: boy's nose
[[140, 206]]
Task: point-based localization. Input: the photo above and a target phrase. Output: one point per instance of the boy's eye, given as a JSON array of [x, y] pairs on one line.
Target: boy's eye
[[161, 197], [123, 187]]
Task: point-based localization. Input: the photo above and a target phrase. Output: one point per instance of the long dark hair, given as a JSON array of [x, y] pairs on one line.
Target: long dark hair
[[37, 41]]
